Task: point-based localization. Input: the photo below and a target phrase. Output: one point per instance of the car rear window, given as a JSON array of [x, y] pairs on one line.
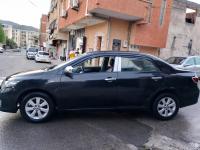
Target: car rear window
[[176, 60], [44, 53], [32, 50]]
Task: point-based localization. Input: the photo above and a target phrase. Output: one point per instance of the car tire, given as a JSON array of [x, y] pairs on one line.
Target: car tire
[[36, 107], [165, 107]]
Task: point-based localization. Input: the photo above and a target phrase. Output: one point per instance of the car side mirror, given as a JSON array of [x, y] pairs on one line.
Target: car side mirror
[[69, 71], [187, 65]]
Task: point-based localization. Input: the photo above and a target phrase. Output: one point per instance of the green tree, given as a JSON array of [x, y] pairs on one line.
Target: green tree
[[11, 43], [2, 35]]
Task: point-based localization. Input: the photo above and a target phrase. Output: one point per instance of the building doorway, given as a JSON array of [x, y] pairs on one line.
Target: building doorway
[[99, 43]]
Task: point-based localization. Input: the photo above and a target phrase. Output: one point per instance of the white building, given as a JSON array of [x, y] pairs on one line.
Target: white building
[[24, 36]]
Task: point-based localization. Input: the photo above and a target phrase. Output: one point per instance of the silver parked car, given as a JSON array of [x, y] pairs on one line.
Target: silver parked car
[[191, 63], [1, 50], [31, 52]]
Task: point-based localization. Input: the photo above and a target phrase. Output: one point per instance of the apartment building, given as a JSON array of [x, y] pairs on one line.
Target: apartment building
[[16, 36], [7, 30], [136, 25], [57, 40], [184, 30], [24, 36], [43, 31]]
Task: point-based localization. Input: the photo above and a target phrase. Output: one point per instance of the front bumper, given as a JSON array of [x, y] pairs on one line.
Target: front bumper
[[8, 101]]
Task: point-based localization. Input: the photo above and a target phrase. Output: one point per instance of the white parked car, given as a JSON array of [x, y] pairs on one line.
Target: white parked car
[[42, 56], [191, 63], [1, 50]]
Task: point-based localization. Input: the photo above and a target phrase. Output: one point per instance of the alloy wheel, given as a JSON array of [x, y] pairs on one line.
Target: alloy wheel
[[166, 107], [37, 108]]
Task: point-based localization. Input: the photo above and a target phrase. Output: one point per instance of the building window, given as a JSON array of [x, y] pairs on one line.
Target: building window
[[149, 14], [190, 16], [162, 11]]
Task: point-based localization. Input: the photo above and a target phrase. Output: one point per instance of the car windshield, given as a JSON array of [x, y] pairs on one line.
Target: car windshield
[[176, 60], [32, 50], [44, 53]]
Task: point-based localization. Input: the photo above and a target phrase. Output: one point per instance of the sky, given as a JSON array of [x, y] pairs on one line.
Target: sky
[[27, 12]]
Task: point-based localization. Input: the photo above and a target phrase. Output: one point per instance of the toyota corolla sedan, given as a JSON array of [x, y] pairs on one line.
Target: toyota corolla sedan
[[100, 81]]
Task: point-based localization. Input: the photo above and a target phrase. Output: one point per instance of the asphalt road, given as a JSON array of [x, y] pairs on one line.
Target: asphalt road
[[95, 130]]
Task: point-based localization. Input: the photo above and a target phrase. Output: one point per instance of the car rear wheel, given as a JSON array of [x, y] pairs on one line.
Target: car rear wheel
[[165, 107], [36, 107]]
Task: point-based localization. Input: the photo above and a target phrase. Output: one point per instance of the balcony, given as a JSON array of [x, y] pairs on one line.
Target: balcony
[[130, 10]]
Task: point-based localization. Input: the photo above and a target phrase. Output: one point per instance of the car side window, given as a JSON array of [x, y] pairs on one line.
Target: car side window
[[137, 65], [94, 65], [197, 60], [190, 62]]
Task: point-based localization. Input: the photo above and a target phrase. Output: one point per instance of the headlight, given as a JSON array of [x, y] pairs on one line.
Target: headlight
[[8, 84]]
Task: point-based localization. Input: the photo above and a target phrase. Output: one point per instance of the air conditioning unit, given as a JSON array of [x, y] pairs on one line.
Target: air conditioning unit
[[74, 4], [72, 32], [125, 44]]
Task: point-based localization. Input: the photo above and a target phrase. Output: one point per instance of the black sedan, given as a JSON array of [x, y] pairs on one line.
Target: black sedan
[[103, 81]]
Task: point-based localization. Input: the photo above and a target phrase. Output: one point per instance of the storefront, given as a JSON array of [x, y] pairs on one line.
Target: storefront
[[77, 40]]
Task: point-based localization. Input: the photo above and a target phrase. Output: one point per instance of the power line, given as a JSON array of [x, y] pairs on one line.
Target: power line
[[32, 3]]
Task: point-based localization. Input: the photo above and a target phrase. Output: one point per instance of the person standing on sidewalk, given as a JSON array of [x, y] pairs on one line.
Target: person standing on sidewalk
[[72, 54]]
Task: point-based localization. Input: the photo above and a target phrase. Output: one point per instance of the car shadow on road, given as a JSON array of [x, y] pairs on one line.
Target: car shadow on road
[[91, 129]]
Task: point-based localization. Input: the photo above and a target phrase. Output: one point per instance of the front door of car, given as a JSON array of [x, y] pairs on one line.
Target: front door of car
[[138, 80], [92, 85]]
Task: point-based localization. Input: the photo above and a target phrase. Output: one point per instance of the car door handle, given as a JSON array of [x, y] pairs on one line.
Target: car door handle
[[156, 78], [110, 79]]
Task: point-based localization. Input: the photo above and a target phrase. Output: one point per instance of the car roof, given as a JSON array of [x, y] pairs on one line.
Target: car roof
[[42, 52], [121, 53]]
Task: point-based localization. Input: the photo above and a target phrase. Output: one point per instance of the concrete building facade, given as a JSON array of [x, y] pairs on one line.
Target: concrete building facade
[[8, 30], [184, 30], [137, 25], [57, 40]]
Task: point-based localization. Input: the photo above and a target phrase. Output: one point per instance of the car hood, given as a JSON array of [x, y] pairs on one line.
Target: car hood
[[27, 74]]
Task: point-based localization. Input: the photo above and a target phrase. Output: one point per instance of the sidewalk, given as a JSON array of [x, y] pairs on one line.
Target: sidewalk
[[57, 61]]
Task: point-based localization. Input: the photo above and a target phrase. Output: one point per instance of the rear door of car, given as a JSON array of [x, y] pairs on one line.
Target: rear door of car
[[138, 79]]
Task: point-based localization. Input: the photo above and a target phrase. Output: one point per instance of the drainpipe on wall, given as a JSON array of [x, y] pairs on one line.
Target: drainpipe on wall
[[129, 33], [108, 36], [86, 10]]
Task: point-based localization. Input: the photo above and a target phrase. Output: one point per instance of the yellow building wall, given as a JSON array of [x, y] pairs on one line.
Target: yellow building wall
[[119, 30], [92, 33]]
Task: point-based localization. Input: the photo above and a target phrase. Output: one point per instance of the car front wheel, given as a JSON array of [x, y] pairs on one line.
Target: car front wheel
[[165, 107], [36, 107]]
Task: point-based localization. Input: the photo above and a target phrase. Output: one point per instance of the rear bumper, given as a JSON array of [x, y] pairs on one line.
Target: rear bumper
[[42, 60], [188, 99], [30, 56]]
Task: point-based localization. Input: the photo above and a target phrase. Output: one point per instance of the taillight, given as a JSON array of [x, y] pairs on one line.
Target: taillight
[[195, 79]]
